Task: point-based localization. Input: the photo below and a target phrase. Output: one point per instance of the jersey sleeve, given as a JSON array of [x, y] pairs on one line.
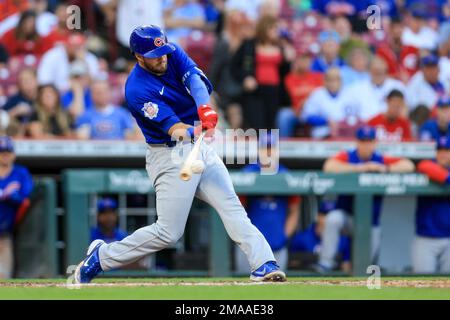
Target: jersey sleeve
[[186, 67], [390, 160], [341, 156], [159, 113], [434, 171]]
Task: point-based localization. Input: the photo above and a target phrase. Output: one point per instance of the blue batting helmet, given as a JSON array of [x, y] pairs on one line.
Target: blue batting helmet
[[150, 42]]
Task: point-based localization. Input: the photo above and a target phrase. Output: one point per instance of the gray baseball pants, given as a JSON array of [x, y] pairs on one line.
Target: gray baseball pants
[[173, 202]]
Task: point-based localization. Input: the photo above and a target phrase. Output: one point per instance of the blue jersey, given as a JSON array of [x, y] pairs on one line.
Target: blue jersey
[[431, 131], [345, 202], [158, 102], [269, 213], [433, 215], [109, 124], [14, 189], [118, 235], [309, 241]]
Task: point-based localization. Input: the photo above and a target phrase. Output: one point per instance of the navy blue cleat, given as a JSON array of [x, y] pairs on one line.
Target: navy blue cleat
[[269, 271], [90, 266]]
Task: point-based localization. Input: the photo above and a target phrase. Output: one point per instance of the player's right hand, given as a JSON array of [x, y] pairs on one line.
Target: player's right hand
[[207, 116]]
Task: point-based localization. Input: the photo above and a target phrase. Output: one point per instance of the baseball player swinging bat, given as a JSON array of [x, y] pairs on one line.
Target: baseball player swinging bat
[[166, 93]]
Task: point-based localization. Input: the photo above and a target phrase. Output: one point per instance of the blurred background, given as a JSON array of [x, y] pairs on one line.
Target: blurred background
[[316, 70]]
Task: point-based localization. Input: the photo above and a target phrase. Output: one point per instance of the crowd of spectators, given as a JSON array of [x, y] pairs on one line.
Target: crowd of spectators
[[312, 69]]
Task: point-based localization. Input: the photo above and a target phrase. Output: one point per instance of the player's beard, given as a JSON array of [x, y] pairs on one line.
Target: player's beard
[[158, 69]]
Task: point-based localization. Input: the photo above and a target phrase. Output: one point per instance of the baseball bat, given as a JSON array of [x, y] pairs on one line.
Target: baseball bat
[[186, 170]]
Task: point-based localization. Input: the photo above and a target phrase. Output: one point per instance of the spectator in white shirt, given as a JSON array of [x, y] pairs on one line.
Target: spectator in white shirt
[[444, 53], [324, 107], [54, 67], [417, 33], [424, 88], [365, 99]]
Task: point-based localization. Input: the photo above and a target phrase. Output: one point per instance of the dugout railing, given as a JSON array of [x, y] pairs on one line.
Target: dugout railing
[[79, 184]]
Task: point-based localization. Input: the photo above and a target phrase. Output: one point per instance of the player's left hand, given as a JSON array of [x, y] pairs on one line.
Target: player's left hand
[[207, 116]]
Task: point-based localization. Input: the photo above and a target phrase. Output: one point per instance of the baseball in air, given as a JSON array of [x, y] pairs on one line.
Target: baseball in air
[[198, 166]]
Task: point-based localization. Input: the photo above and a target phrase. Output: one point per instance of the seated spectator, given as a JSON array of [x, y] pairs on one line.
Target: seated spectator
[[424, 88], [366, 99], [431, 245], [24, 39], [357, 68], [107, 219], [78, 98], [324, 107], [391, 126], [329, 52], [104, 121], [402, 60], [348, 40], [417, 33], [181, 17], [434, 129], [299, 83], [20, 106], [54, 67], [59, 32], [49, 119], [16, 185], [275, 216], [444, 53], [363, 158], [10, 11], [309, 240], [45, 19]]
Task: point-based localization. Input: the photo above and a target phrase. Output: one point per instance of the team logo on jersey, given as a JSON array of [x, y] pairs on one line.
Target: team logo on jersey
[[159, 42], [150, 110]]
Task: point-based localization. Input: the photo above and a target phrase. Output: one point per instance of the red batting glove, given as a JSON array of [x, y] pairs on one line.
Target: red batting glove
[[207, 116]]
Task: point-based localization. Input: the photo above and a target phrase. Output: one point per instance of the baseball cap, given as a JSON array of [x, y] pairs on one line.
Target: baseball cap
[[329, 35], [429, 60], [366, 133], [443, 102], [267, 141], [75, 39], [443, 143], [6, 144], [106, 204]]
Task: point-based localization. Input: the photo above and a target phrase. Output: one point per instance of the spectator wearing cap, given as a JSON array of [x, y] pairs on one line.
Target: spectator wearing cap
[[260, 65], [78, 98], [323, 109], [20, 106], [300, 82], [434, 129], [54, 67], [417, 33], [392, 126], [49, 119], [431, 245], [105, 121], [361, 159], [107, 222], [310, 239], [424, 88], [402, 60], [16, 185], [24, 39], [366, 99], [329, 41], [275, 216]]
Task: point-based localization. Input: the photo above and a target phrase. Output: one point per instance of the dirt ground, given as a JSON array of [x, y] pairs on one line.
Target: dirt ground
[[405, 283]]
